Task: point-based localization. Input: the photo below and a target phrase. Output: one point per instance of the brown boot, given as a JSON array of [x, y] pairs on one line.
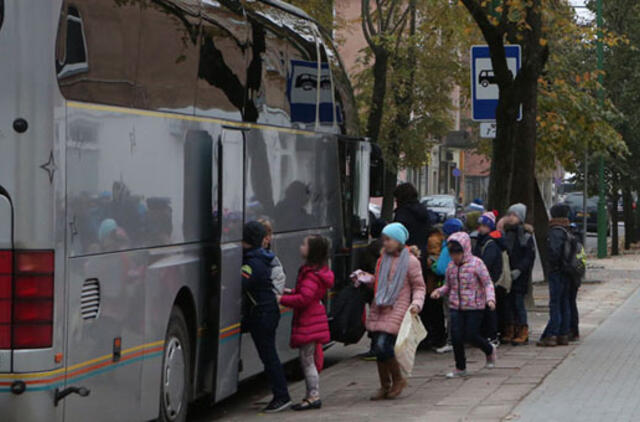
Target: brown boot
[[550, 341], [385, 381], [399, 382], [507, 335], [522, 336], [563, 340]]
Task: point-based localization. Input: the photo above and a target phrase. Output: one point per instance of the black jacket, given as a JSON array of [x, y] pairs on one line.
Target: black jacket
[[415, 218], [489, 249], [522, 254], [556, 241]]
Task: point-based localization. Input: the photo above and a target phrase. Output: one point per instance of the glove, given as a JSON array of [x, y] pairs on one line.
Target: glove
[[515, 274]]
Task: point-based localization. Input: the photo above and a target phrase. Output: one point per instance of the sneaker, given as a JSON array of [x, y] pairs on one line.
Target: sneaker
[[550, 341], [368, 356], [445, 349], [457, 374], [492, 358], [495, 342], [277, 405]]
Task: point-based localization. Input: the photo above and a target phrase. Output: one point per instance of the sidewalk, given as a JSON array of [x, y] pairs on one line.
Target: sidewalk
[[599, 381], [484, 396]]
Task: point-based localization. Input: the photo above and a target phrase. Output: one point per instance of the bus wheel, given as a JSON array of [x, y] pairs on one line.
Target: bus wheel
[[176, 370]]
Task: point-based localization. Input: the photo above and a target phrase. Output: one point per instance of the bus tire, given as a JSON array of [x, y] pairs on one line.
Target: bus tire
[[176, 370]]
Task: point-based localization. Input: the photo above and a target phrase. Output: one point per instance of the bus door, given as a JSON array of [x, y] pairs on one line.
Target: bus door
[[231, 209]]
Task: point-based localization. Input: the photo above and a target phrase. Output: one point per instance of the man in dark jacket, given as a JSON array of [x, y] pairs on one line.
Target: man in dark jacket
[[557, 330], [489, 247], [522, 254], [262, 314], [413, 215]]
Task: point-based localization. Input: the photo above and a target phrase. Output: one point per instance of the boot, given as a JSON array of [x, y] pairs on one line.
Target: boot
[[385, 381], [522, 336], [550, 341], [399, 383], [507, 335], [563, 340]]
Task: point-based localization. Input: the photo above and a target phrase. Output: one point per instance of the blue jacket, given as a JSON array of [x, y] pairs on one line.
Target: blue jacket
[[256, 279]]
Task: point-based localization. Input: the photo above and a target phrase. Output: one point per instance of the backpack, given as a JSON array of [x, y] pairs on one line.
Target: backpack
[[575, 258], [346, 321], [505, 278]]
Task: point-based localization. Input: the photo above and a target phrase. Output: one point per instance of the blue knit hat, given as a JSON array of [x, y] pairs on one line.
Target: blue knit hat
[[396, 231], [451, 226], [488, 219]]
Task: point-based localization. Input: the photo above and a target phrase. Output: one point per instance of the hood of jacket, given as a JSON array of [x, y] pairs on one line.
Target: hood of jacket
[[465, 241], [324, 275]]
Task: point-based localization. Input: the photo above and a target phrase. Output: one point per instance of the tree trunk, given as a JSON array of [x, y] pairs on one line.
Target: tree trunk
[[541, 223], [380, 69], [629, 218], [388, 202]]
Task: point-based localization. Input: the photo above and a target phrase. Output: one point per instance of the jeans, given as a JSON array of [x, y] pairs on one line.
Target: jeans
[[515, 310], [262, 325], [432, 317], [501, 313], [383, 344], [559, 306], [574, 321], [465, 327], [490, 324]]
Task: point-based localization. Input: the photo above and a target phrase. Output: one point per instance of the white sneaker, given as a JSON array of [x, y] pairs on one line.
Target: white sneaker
[[495, 342], [492, 358], [456, 374], [445, 349]]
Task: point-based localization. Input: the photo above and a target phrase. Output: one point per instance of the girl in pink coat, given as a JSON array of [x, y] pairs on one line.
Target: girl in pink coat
[[470, 291], [310, 327]]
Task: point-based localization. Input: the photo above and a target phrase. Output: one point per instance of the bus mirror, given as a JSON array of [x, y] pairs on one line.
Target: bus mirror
[[376, 175]]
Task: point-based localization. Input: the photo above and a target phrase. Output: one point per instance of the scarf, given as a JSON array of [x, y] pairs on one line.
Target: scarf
[[388, 289]]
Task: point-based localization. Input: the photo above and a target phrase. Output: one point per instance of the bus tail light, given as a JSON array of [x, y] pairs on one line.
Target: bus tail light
[[26, 299]]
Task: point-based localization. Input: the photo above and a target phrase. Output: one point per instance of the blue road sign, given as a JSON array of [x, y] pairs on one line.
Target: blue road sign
[[456, 172], [484, 87]]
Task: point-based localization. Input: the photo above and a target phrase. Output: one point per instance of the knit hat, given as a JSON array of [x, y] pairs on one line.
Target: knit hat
[[253, 233], [396, 231], [559, 211], [107, 227], [488, 219], [520, 210], [451, 226]]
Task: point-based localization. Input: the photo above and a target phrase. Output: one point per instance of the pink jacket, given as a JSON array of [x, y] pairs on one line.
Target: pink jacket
[[310, 324], [389, 318], [468, 285]]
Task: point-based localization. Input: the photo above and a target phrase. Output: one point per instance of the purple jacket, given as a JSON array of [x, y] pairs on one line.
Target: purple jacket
[[468, 285]]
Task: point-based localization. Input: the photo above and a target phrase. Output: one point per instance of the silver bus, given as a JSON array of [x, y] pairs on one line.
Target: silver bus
[[136, 138]]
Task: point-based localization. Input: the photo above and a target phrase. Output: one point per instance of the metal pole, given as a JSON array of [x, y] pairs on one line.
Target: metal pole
[[585, 194], [602, 206]]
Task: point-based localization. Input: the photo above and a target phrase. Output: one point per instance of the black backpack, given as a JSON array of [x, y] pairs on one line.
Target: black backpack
[[346, 321], [574, 258]]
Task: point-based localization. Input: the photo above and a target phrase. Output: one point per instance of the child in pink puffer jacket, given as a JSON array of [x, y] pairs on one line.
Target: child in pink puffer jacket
[[470, 291]]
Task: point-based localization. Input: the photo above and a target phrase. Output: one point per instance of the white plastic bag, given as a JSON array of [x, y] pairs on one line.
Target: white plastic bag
[[411, 334]]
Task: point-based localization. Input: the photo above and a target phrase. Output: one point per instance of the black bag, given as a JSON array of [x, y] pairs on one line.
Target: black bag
[[346, 317], [575, 259]]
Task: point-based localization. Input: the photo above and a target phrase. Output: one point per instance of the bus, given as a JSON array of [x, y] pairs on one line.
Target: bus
[[136, 138]]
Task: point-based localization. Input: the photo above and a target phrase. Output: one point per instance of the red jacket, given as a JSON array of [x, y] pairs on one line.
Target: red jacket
[[310, 323]]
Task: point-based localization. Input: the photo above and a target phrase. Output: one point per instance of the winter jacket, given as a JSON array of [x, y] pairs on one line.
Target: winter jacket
[[468, 285], [558, 230], [415, 217], [489, 248], [310, 323], [522, 254], [434, 248], [256, 279], [387, 319]]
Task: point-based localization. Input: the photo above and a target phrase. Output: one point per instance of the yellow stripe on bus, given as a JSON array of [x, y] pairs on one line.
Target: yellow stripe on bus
[[78, 365], [229, 328], [165, 115]]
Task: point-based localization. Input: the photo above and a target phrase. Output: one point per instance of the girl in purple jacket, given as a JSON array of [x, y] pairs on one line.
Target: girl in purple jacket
[[470, 290]]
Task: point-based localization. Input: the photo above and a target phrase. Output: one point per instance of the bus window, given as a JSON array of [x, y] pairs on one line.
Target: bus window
[[168, 59], [97, 51], [222, 72]]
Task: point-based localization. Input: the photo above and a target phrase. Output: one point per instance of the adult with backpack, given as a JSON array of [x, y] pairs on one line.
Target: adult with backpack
[[560, 246]]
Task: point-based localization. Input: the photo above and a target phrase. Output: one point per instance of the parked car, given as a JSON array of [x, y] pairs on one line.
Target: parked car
[[574, 201], [445, 206]]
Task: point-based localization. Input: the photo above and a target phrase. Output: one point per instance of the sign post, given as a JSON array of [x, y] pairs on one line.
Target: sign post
[[484, 86]]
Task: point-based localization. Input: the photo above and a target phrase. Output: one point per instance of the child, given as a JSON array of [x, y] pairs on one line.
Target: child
[[278, 277], [470, 290], [398, 287], [263, 315], [310, 329]]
